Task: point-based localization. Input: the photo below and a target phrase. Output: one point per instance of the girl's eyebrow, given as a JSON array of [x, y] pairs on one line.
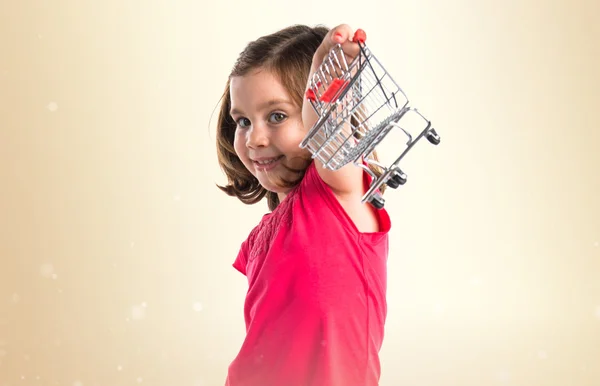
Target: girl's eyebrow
[[264, 105]]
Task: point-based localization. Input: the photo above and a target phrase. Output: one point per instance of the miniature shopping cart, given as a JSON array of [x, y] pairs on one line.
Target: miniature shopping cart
[[358, 104]]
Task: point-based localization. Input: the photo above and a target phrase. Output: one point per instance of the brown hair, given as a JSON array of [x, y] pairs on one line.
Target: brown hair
[[288, 54]]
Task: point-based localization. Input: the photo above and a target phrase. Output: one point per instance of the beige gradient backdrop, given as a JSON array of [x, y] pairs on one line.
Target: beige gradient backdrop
[[116, 247]]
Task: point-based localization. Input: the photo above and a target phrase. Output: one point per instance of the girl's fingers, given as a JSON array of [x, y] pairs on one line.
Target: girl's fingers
[[341, 34]]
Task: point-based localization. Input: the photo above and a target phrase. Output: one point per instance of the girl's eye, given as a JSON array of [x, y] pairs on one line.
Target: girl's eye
[[243, 122], [277, 117]]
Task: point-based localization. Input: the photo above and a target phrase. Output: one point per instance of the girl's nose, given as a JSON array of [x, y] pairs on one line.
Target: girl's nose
[[257, 137]]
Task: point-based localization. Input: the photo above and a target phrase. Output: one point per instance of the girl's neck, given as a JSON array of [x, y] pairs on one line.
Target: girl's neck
[[282, 196]]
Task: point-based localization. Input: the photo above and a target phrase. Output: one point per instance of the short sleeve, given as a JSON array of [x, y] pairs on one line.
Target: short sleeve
[[242, 258], [313, 183]]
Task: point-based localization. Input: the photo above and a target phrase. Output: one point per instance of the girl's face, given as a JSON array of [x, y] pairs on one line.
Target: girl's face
[[269, 128]]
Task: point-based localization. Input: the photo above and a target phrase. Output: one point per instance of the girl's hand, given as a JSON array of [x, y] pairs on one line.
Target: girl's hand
[[346, 181], [343, 35]]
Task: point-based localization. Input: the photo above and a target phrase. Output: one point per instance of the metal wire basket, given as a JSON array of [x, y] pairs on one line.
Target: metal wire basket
[[358, 104]]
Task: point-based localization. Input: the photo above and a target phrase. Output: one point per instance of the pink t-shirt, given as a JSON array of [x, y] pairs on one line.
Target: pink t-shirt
[[316, 303]]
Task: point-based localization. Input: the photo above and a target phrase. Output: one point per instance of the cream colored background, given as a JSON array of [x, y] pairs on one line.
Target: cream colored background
[[116, 246]]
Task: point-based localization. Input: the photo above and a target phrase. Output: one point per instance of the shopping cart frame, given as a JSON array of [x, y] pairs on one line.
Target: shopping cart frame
[[337, 95]]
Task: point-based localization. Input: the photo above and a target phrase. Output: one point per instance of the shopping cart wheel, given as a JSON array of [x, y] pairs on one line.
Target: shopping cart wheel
[[377, 201], [396, 179], [433, 137]]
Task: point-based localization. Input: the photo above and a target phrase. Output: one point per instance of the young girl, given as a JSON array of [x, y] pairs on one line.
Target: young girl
[[316, 264]]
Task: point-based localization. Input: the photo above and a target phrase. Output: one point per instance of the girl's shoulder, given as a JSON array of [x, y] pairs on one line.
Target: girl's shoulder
[[246, 245], [318, 198]]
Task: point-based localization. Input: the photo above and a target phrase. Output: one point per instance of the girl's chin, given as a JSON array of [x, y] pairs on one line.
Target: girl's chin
[[271, 185]]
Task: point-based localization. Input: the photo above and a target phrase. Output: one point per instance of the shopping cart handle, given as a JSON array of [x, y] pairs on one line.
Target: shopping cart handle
[[359, 36]]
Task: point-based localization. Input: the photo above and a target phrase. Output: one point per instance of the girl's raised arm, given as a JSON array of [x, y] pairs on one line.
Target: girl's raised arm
[[347, 181]]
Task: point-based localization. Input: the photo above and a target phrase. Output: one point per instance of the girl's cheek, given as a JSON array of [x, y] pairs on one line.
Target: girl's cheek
[[237, 141]]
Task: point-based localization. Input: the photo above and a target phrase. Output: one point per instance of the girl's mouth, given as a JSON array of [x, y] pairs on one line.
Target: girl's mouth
[[267, 164]]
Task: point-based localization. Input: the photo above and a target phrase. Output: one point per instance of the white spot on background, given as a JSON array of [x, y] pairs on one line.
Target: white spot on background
[[596, 244], [119, 368], [139, 379], [15, 298], [542, 354], [176, 197], [52, 107], [439, 308], [132, 244], [47, 270], [475, 281], [198, 307], [138, 312], [77, 383], [597, 312]]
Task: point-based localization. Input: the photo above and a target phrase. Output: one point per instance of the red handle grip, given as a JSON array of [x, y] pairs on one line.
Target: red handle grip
[[359, 36]]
